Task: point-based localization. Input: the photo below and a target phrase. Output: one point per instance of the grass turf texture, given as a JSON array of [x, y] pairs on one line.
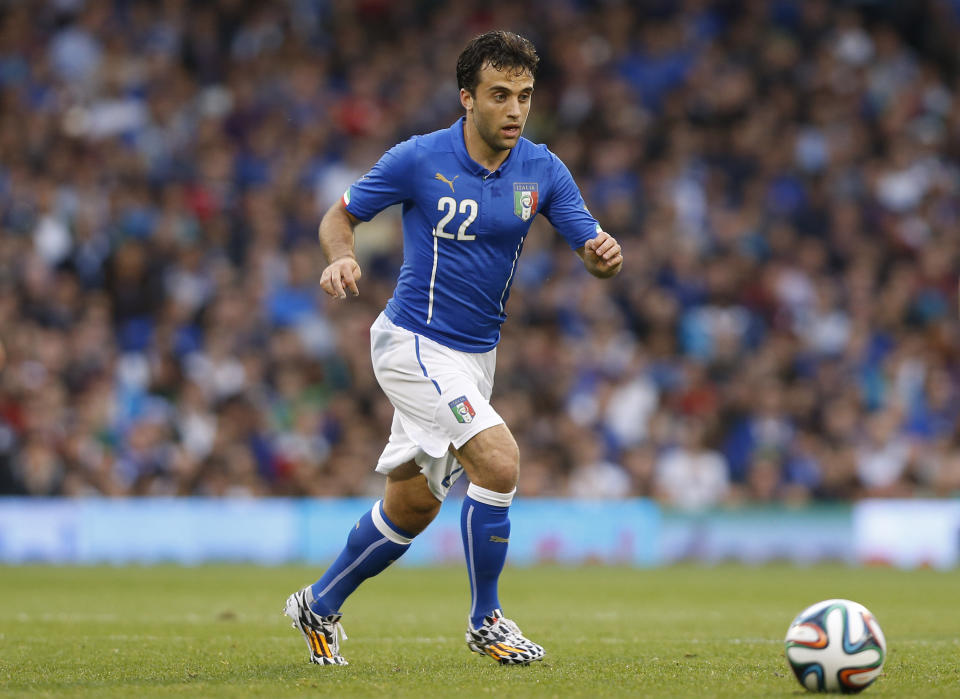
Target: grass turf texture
[[680, 631]]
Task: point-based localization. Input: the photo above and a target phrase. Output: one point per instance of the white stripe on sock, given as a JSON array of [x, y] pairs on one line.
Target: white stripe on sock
[[353, 565], [472, 567], [381, 524], [490, 497]]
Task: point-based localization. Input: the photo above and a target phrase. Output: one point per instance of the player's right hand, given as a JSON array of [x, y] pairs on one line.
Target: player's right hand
[[341, 275]]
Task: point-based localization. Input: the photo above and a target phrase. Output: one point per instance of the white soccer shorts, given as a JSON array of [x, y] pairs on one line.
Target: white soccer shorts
[[441, 397]]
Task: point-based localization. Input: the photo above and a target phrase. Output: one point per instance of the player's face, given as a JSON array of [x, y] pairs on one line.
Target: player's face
[[499, 106]]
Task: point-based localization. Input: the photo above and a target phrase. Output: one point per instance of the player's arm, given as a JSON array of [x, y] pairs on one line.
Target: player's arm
[[564, 208], [602, 255], [336, 241], [387, 183]]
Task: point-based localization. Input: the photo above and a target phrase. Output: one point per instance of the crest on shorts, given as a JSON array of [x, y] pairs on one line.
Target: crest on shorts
[[462, 410], [525, 197]]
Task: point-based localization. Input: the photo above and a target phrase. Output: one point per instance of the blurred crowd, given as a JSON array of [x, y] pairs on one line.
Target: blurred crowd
[[783, 175]]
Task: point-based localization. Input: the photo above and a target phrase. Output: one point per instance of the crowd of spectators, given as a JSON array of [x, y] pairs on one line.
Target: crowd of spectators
[[783, 175]]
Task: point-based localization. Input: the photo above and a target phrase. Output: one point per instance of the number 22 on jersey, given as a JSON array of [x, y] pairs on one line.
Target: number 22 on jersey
[[449, 206]]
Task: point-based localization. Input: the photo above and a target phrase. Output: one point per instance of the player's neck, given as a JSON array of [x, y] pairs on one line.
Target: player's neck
[[479, 150]]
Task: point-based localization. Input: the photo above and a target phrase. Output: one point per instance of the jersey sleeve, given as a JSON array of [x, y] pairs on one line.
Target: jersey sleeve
[[566, 210], [387, 183]]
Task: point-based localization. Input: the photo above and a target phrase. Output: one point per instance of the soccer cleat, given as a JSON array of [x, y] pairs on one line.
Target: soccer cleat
[[322, 633], [502, 640]]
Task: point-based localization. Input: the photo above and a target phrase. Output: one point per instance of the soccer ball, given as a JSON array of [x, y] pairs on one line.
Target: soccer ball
[[836, 646]]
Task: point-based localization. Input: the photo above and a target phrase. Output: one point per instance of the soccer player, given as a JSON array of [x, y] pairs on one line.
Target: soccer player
[[469, 194]]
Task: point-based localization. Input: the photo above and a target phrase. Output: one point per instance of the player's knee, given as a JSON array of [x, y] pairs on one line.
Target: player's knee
[[492, 459], [417, 516], [501, 480], [408, 501], [503, 468], [424, 509], [410, 512]]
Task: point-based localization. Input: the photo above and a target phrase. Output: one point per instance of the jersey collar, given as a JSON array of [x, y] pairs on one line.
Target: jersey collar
[[460, 148]]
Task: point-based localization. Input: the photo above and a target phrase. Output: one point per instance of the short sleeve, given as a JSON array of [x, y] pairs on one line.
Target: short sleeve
[[566, 209], [387, 183]]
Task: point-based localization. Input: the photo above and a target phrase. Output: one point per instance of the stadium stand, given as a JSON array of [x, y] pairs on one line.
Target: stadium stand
[[783, 177]]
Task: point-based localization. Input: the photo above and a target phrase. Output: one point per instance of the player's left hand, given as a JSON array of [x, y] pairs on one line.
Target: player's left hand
[[341, 276], [602, 255]]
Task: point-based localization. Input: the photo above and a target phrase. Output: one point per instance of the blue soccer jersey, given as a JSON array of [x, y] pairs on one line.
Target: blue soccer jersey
[[464, 228]]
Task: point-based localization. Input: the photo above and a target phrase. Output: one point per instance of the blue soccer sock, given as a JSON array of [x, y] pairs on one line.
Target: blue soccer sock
[[485, 527], [374, 543]]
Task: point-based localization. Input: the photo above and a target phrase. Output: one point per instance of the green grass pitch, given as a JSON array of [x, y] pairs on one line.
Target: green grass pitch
[[217, 631]]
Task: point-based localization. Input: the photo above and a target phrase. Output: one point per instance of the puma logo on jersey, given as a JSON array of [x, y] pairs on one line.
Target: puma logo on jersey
[[498, 539], [440, 177]]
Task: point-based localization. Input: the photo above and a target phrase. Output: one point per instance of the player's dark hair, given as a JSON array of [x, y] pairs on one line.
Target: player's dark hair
[[499, 50]]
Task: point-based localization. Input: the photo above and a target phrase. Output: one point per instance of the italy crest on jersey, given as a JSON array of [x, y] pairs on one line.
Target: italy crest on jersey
[[525, 199], [462, 410]]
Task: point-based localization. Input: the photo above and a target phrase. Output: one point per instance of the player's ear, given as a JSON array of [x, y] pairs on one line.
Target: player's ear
[[466, 98]]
